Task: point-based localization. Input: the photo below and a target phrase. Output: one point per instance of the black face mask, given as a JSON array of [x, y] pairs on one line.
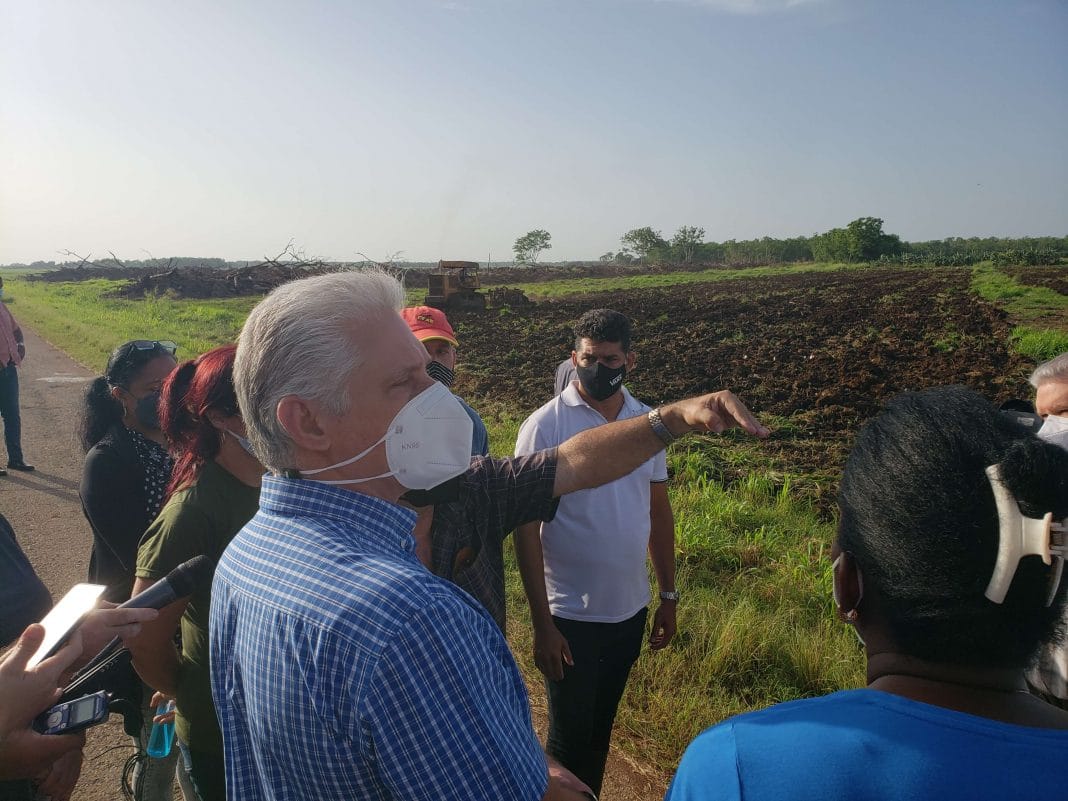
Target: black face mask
[[600, 382], [147, 411], [439, 372]]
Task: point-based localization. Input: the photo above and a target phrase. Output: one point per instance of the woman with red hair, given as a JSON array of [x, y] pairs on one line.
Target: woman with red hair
[[213, 492]]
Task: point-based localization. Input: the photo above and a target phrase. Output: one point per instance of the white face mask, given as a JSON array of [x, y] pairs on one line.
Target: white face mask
[[1055, 430], [428, 442], [244, 443]]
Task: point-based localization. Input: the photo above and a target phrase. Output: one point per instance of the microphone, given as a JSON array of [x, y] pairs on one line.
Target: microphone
[[179, 583]]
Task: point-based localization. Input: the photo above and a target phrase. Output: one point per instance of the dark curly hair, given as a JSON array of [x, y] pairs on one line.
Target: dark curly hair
[[603, 325], [919, 516]]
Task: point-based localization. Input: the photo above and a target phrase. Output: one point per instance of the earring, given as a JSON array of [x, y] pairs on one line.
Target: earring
[[849, 617]]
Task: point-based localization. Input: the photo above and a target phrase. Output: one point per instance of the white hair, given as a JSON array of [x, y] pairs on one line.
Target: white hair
[[298, 341], [1056, 369]]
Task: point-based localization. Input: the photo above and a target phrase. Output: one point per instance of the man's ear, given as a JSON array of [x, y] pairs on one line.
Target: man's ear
[[632, 361], [300, 420], [574, 359]]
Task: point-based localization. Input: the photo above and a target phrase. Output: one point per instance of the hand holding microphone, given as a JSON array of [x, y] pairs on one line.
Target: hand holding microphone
[[179, 583]]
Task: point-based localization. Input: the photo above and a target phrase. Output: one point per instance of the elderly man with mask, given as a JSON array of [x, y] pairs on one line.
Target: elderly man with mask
[[341, 667], [1049, 677]]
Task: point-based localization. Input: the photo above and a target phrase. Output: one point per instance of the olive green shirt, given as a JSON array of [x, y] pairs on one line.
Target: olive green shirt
[[201, 519]]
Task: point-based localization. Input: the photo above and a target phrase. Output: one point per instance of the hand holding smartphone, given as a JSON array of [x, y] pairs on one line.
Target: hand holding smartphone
[[64, 619]]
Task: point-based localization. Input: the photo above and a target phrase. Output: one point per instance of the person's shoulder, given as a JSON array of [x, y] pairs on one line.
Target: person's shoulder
[[184, 514], [111, 451]]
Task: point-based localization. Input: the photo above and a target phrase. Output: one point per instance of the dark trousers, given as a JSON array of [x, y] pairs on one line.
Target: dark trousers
[[9, 410], [582, 706]]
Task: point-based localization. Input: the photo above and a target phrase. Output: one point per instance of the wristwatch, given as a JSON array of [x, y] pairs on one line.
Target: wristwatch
[[656, 422], [669, 596]]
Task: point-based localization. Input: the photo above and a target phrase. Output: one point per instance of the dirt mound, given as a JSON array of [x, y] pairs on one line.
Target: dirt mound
[[498, 276], [199, 282], [85, 273], [1055, 278], [507, 296]]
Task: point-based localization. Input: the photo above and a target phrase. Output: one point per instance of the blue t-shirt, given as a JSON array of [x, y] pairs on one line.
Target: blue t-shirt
[[867, 745], [479, 435]]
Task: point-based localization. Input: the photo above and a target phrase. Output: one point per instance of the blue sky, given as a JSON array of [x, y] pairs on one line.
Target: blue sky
[[447, 128]]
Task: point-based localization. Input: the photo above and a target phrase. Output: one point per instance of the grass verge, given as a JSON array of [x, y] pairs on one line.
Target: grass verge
[[1042, 313], [78, 319]]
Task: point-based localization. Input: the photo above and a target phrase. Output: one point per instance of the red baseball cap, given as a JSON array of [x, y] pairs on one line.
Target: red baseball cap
[[427, 322]]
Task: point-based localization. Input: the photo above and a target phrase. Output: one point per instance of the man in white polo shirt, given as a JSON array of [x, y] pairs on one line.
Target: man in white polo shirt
[[585, 575]]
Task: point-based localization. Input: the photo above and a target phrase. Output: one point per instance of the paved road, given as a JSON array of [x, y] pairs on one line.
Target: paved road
[[44, 509]]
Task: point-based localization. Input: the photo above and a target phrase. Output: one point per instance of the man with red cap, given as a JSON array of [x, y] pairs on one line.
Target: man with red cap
[[431, 327]]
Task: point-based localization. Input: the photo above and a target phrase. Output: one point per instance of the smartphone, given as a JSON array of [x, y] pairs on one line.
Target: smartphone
[[73, 716], [65, 617]]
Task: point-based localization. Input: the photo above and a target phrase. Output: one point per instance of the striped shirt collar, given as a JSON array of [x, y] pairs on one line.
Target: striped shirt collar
[[375, 520]]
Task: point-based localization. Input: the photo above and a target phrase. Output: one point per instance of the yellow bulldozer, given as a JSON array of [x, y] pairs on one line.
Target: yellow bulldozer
[[455, 286]]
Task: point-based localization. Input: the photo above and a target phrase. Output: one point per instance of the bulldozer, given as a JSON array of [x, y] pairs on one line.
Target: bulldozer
[[455, 286]]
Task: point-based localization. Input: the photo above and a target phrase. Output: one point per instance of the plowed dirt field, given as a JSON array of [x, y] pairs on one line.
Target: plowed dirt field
[[823, 350]]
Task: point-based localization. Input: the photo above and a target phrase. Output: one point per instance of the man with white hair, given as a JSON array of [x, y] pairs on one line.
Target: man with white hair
[[341, 667], [1050, 380], [1049, 677]]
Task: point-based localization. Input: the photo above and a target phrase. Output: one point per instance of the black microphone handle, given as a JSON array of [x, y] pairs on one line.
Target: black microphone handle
[[179, 583], [157, 596]]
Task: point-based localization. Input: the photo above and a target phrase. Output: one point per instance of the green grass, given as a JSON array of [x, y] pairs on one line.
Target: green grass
[[78, 319], [756, 624], [1040, 344]]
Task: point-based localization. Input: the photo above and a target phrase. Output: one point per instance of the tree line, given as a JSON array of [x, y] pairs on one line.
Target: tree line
[[862, 240]]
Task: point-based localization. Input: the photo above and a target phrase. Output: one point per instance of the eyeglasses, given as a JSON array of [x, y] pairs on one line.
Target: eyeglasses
[[153, 344]]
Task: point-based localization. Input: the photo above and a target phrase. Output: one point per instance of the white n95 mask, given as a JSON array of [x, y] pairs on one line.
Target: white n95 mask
[[428, 442], [1055, 430]]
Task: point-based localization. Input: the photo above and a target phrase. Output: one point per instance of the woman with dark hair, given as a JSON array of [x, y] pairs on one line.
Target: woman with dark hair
[[126, 463], [947, 564], [124, 479], [214, 491]]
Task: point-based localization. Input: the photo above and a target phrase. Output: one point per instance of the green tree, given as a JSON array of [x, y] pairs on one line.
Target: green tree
[[530, 244], [644, 243], [686, 241]]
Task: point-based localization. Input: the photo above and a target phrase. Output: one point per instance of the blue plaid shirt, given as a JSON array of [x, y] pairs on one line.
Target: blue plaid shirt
[[343, 669]]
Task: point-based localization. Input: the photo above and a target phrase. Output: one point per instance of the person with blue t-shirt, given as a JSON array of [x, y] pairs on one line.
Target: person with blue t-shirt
[[947, 508]]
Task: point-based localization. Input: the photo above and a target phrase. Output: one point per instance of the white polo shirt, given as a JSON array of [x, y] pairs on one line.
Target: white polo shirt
[[596, 545]]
